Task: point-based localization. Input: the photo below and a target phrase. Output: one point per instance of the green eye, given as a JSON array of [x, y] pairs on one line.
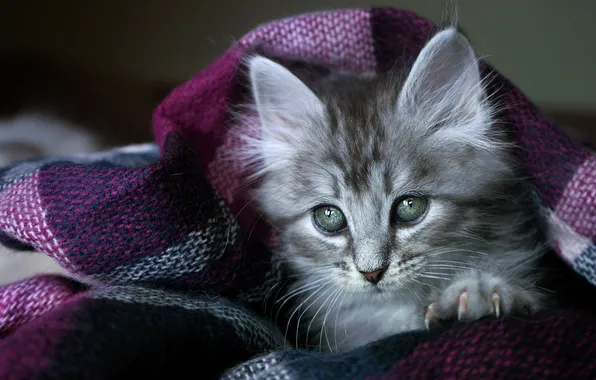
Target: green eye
[[410, 209], [330, 219]]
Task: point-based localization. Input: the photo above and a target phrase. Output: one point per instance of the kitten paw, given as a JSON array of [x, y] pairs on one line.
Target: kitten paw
[[472, 298]]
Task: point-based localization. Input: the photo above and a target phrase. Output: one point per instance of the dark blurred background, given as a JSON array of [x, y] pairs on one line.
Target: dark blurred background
[[107, 64]]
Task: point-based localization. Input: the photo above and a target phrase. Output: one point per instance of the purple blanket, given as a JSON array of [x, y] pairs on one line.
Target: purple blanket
[[176, 262]]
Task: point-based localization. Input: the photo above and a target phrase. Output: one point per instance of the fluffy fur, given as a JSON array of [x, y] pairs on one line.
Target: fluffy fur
[[360, 144]]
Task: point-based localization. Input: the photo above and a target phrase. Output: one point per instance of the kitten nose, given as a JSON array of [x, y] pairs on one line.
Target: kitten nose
[[375, 276]]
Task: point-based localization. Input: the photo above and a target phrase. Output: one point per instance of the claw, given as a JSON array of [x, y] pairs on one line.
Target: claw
[[496, 299], [430, 314], [463, 305]]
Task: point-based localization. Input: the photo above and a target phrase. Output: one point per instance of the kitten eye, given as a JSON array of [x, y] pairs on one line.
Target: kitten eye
[[329, 219], [410, 208]]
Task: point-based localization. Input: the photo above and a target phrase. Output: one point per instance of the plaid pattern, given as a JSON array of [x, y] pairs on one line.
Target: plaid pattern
[[179, 259]]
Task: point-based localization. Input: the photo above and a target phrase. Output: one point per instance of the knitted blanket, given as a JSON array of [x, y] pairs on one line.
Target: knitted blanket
[[173, 264]]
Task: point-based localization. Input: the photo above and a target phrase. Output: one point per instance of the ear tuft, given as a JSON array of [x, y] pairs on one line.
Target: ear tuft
[[285, 106], [445, 79], [282, 100]]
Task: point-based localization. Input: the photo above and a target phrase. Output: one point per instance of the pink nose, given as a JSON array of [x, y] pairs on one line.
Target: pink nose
[[375, 276]]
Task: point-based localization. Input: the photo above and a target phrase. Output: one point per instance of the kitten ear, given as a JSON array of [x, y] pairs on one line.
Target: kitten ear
[[283, 101], [445, 80]]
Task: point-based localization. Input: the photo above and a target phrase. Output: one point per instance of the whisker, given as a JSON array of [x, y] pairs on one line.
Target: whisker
[[448, 267], [454, 250], [279, 285], [450, 261], [412, 291], [301, 288], [295, 294], [340, 293], [324, 329], [435, 273], [423, 283], [304, 312], [434, 277], [317, 312], [341, 304], [321, 287]]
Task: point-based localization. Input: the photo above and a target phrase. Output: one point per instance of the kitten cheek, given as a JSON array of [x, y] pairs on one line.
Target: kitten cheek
[[437, 210], [305, 240]]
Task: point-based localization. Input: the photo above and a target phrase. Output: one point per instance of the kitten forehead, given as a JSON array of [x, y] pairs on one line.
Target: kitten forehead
[[355, 137]]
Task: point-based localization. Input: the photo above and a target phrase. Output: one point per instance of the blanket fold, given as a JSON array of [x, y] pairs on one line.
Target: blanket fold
[[176, 262]]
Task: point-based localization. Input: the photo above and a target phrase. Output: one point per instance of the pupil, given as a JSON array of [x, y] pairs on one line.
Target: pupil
[[328, 212]]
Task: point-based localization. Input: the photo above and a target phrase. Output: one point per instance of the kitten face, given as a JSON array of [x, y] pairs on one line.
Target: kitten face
[[359, 154]]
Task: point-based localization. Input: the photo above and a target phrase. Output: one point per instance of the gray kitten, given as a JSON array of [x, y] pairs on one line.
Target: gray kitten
[[395, 198]]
